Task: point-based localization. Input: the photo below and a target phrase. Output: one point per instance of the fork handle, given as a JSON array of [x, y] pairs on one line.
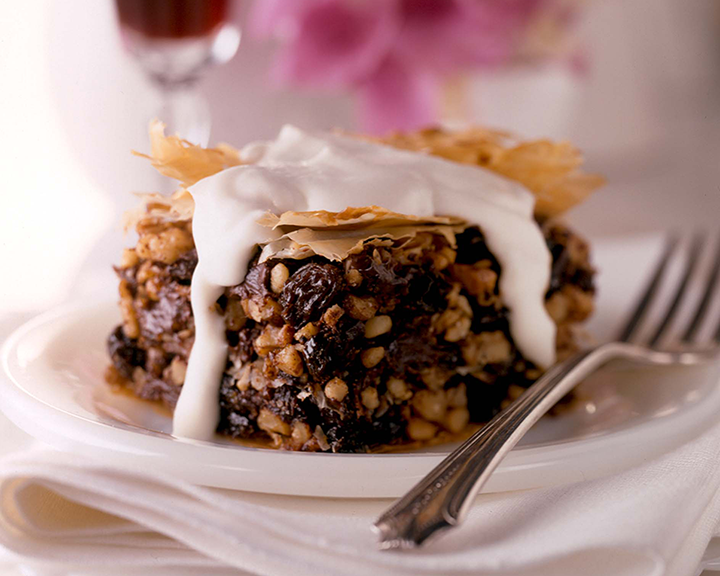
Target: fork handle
[[441, 500]]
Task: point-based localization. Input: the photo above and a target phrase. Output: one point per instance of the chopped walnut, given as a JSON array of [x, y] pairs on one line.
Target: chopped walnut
[[420, 430], [377, 326], [370, 398], [578, 250], [457, 396], [273, 337], [264, 310], [272, 423], [146, 271], [443, 258], [243, 381], [533, 373], [459, 330], [234, 314], [558, 306], [486, 348], [514, 391], [258, 380], [456, 419], [125, 290], [151, 225], [289, 361], [458, 301], [430, 405], [306, 332], [332, 315], [278, 276], [139, 376], [581, 303], [435, 377], [321, 438], [336, 389], [372, 356], [570, 304], [398, 389], [152, 289], [456, 320], [360, 308], [353, 277], [178, 368], [129, 258], [301, 434], [131, 326], [479, 280], [166, 246]]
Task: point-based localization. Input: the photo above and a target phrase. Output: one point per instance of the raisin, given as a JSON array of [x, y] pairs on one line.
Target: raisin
[[236, 425], [426, 292], [471, 248], [417, 348], [384, 280], [255, 284], [127, 274], [284, 402], [363, 434], [151, 388], [124, 352], [386, 429], [181, 270], [488, 318], [484, 399], [309, 292], [564, 271], [559, 266], [584, 279], [172, 312], [155, 361], [233, 400], [333, 349]]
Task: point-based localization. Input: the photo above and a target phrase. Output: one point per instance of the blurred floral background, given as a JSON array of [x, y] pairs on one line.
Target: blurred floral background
[[398, 57], [634, 83]]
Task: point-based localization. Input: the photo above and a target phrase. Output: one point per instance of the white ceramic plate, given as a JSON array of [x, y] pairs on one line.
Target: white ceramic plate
[[54, 390]]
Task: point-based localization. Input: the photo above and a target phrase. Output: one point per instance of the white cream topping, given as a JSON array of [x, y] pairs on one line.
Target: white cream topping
[[300, 171]]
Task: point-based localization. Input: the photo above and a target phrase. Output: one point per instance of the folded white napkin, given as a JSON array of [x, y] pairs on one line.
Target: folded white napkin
[[57, 510]]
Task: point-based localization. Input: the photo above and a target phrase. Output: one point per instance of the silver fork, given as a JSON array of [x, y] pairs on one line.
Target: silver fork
[[442, 499]]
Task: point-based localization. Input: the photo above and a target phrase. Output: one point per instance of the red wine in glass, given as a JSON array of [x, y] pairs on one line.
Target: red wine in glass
[[174, 41], [172, 18]]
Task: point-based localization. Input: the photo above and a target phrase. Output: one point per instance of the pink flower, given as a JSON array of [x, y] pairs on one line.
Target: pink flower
[[450, 35], [397, 97], [329, 43], [392, 53]]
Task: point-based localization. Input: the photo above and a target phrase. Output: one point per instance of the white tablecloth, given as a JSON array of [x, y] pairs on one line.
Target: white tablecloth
[[61, 513], [62, 516]]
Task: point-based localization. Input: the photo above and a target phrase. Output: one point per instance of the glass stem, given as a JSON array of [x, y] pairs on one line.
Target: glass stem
[[185, 112]]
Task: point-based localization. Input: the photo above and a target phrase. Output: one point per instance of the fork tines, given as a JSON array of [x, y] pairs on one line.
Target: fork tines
[[680, 303]]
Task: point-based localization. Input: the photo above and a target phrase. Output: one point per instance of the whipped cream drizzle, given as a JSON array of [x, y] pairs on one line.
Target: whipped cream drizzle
[[300, 171]]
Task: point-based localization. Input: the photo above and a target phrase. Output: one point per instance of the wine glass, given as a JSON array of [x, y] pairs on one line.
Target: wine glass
[[175, 41]]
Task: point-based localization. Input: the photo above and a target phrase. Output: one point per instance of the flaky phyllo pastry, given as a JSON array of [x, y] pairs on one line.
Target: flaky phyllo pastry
[[339, 293]]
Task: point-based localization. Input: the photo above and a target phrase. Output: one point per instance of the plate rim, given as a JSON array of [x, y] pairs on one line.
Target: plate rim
[[520, 458]]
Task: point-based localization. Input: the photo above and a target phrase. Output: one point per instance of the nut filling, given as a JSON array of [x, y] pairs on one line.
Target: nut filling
[[395, 344]]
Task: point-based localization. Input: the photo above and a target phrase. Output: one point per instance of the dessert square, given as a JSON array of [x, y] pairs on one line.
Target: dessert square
[[358, 329]]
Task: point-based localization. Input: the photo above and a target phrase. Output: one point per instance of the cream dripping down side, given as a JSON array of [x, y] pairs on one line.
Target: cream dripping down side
[[300, 171]]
